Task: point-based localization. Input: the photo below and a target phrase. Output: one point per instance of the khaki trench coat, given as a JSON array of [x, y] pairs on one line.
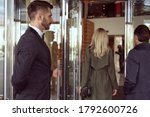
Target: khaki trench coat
[[101, 73]]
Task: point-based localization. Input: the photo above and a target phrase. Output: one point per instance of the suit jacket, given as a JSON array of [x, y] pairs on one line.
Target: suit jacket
[[137, 82], [31, 75]]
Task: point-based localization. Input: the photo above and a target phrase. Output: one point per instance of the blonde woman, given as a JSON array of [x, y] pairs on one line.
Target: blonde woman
[[99, 68]]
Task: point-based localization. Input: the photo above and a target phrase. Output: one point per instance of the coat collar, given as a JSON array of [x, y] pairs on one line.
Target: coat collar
[[38, 37], [37, 30], [144, 45]]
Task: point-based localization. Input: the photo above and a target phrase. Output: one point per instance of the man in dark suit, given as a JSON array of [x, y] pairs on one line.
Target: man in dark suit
[[32, 68], [137, 81]]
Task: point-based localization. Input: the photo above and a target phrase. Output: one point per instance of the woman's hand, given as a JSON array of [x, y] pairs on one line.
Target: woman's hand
[[114, 92]]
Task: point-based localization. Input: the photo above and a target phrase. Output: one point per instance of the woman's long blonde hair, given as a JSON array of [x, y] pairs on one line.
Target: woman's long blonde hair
[[100, 42]]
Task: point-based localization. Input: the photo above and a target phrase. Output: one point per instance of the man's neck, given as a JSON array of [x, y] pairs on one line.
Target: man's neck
[[36, 29], [36, 25], [138, 42]]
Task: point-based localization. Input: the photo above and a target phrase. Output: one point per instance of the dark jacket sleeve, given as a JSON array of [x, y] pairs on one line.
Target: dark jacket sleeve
[[132, 69], [25, 54], [128, 86]]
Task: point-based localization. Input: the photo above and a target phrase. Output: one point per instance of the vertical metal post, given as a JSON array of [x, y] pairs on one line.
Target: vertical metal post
[[129, 12], [128, 27], [74, 77], [80, 45], [5, 64], [72, 41], [64, 32], [9, 44], [58, 81], [64, 48]]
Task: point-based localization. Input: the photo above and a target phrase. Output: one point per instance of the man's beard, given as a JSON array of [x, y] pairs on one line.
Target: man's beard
[[45, 24]]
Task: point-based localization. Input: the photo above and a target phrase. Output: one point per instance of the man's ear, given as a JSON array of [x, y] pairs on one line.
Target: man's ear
[[40, 17], [136, 37], [136, 40]]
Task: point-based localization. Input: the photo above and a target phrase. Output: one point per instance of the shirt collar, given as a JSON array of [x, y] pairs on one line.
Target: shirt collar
[[37, 30]]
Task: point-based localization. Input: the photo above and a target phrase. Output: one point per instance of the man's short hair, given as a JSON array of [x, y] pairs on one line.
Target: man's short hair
[[37, 5], [143, 33]]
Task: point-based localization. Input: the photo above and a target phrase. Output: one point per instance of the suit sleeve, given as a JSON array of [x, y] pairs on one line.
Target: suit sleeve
[[24, 57], [131, 73], [111, 71]]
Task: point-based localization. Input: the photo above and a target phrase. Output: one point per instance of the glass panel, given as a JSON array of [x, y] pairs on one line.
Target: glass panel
[[2, 46], [141, 13], [56, 58], [137, 12], [72, 49], [9, 44], [103, 9]]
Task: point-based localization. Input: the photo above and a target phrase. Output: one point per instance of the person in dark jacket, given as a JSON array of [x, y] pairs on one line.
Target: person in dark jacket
[[137, 81], [32, 67]]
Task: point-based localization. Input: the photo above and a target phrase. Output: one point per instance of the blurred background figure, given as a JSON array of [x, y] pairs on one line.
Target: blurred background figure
[[53, 47], [120, 52]]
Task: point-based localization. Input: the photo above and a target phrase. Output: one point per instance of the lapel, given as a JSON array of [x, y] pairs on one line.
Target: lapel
[[38, 38]]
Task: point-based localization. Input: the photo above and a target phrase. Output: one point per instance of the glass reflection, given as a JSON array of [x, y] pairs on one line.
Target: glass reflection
[[72, 45], [2, 47]]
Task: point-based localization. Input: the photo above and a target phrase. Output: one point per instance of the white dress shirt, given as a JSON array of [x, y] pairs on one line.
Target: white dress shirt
[[37, 30]]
